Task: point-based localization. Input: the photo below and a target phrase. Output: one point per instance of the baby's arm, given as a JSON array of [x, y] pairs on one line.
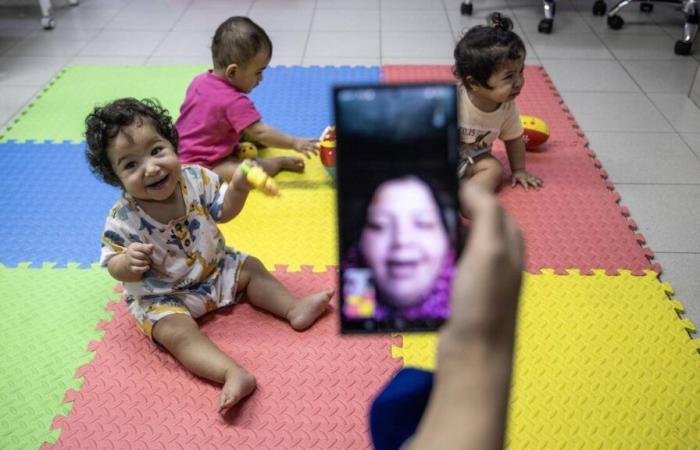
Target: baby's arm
[[236, 195], [272, 137], [516, 156], [130, 265]]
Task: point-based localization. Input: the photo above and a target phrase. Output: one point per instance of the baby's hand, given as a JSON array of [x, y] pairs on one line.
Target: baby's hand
[[307, 146], [239, 181], [527, 179], [138, 257], [255, 177]]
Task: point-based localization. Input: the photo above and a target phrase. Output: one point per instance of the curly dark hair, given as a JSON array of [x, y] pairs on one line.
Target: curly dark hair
[[237, 40], [104, 123], [485, 47]]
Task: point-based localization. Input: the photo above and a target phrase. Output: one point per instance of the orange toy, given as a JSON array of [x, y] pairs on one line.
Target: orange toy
[[326, 145], [535, 131]]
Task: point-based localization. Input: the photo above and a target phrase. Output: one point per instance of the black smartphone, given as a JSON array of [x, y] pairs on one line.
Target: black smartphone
[[398, 210]]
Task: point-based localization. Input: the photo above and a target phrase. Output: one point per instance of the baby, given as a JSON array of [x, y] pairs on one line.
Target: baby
[[217, 111], [489, 62], [161, 240]]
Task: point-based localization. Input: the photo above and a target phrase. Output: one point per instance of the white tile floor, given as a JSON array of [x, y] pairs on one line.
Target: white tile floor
[[626, 88]]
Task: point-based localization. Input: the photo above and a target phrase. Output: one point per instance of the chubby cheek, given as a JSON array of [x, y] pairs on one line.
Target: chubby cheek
[[373, 246]]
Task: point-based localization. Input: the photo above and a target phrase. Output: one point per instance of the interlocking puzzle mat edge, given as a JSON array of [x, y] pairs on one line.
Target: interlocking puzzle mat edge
[[600, 361], [320, 402], [48, 331]]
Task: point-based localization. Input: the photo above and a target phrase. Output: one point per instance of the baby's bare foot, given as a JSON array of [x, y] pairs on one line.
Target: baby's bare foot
[[273, 166], [306, 310], [238, 385]]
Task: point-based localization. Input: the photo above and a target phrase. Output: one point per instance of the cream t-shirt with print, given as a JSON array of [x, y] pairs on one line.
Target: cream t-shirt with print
[[478, 129]]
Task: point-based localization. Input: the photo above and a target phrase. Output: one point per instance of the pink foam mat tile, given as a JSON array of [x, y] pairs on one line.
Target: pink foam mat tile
[[314, 387], [575, 221]]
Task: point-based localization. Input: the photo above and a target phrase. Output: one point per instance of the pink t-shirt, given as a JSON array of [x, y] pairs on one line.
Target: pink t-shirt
[[212, 119]]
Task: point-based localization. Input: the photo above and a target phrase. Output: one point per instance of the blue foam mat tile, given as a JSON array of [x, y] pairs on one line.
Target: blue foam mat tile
[[298, 100], [53, 207]]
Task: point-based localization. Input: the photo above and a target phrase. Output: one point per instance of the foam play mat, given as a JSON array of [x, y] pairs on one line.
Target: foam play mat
[[604, 358]]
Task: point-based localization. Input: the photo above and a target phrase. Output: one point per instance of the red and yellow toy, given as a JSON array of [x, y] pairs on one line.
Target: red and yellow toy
[[326, 146], [535, 131], [259, 179]]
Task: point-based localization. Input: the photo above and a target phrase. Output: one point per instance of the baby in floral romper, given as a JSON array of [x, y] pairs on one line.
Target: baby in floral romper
[[161, 240]]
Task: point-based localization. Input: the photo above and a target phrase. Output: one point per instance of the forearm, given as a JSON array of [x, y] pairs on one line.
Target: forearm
[[469, 403], [269, 136], [515, 149], [117, 267], [234, 199]]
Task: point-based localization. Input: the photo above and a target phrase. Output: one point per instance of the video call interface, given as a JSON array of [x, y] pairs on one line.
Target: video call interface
[[396, 166]]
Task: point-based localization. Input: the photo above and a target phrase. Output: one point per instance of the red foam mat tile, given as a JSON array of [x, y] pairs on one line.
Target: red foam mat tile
[[314, 387], [575, 221]]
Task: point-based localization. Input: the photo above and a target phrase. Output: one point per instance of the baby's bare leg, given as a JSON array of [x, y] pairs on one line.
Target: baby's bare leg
[[180, 335], [273, 166], [227, 167], [266, 292], [486, 172]]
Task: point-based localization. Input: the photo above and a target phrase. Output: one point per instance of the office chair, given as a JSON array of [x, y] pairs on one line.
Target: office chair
[[690, 9], [545, 25]]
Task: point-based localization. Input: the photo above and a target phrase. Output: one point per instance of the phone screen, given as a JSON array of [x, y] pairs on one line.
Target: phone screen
[[396, 178]]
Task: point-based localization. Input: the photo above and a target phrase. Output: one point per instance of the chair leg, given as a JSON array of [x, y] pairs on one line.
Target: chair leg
[[47, 21], [466, 8], [618, 7], [690, 29], [546, 24]]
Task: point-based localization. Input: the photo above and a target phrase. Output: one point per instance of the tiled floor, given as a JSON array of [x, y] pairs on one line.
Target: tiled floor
[[626, 88]]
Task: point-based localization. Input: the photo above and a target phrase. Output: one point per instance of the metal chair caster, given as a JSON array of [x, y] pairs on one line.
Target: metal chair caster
[[599, 8], [545, 26], [47, 23], [682, 48], [615, 22]]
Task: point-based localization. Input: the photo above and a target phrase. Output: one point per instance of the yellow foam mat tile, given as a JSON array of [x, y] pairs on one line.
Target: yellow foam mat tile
[[601, 362], [296, 229]]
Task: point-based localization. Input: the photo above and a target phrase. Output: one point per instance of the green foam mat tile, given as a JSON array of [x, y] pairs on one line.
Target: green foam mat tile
[[84, 86], [49, 318]]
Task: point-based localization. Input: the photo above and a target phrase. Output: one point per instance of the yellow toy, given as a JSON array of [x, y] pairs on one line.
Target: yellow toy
[[259, 179], [247, 150]]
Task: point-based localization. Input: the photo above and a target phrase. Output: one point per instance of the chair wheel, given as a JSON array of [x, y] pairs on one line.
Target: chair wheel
[[615, 22], [545, 26], [599, 8], [682, 48], [47, 23], [646, 7], [466, 9]]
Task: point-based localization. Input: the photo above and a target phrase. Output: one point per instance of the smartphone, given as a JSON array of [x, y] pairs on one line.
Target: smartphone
[[398, 210]]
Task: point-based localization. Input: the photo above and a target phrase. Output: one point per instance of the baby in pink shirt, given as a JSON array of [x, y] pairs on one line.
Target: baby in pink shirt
[[216, 111]]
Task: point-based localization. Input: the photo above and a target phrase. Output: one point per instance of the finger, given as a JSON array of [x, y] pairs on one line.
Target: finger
[[487, 218], [144, 248], [524, 184], [140, 261], [514, 242], [140, 269]]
